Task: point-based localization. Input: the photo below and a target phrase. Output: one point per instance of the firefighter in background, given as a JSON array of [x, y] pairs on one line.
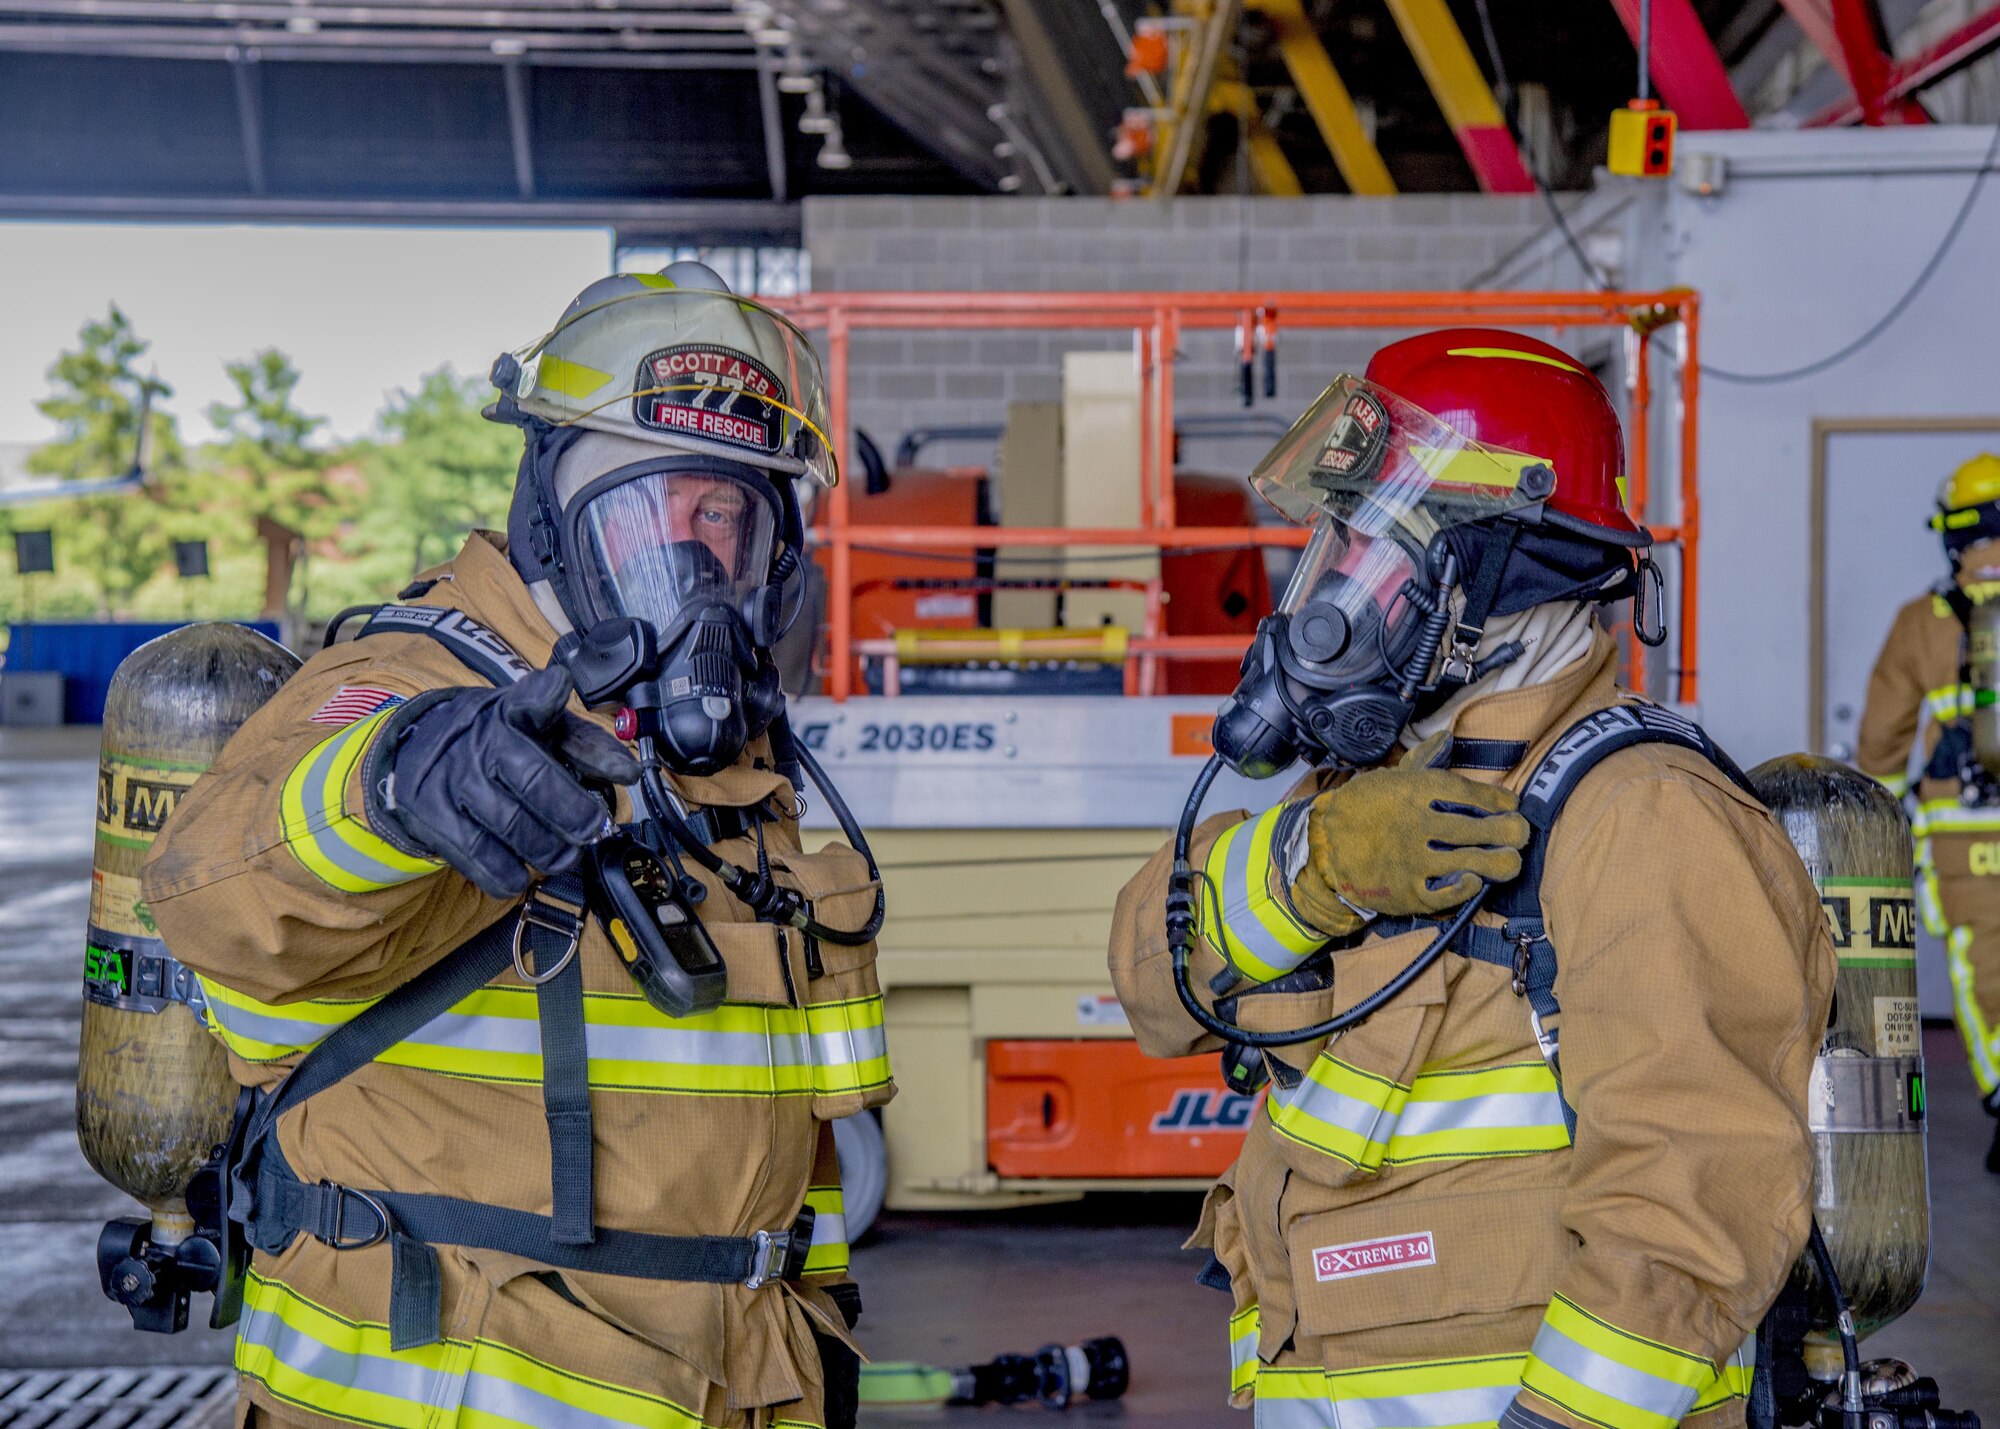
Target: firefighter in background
[[1435, 1221], [500, 1215], [1921, 672]]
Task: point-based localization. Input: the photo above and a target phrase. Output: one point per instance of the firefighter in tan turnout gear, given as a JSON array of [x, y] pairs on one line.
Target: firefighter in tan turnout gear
[[1558, 1177], [1920, 684], [573, 1010]]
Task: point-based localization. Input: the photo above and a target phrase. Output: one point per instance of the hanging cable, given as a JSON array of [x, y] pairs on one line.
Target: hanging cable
[[1510, 113], [1896, 309]]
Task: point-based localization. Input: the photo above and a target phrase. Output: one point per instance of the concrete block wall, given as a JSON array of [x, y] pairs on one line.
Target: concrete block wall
[[902, 380]]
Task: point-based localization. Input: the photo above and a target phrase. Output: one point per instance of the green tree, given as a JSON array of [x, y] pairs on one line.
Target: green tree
[[444, 471], [97, 394]]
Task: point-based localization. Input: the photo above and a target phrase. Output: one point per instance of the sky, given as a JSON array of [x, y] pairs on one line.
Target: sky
[[361, 312]]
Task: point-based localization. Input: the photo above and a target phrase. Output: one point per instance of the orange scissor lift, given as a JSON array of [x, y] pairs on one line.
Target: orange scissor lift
[[1006, 822]]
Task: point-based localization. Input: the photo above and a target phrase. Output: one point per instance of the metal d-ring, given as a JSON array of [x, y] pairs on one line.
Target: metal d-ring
[[531, 913]]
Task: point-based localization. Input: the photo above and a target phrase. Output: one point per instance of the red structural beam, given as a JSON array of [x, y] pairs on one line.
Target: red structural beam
[[1687, 71], [1905, 78], [1857, 27]]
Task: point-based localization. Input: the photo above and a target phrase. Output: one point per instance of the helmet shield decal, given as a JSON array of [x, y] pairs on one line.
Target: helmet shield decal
[[1366, 458], [693, 370], [712, 391]]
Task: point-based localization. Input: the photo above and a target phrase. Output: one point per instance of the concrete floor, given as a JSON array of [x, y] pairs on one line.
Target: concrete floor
[[946, 1290]]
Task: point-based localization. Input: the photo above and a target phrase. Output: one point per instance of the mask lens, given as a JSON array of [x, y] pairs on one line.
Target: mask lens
[[660, 542], [1362, 578]]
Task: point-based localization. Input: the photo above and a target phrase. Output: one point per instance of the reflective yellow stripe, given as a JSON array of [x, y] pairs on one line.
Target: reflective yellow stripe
[[1370, 1122], [1243, 1349], [1897, 784], [1542, 358], [1930, 899], [1982, 1043], [828, 1252], [1609, 1376], [1475, 466], [1948, 816], [571, 379], [1240, 916], [1950, 702], [1433, 1394], [305, 1354], [1734, 1380], [333, 841], [494, 1036]]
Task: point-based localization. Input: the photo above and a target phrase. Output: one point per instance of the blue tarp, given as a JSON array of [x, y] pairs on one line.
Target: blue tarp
[[86, 653]]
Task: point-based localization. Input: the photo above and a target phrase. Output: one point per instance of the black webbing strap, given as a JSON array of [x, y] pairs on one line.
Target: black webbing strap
[[1491, 755], [565, 1057], [1484, 587], [1521, 944], [472, 644]]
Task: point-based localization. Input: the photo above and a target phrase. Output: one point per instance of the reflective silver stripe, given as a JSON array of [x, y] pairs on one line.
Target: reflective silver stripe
[[320, 817], [1493, 1111], [490, 1394], [1336, 1108], [1426, 1411], [829, 1228], [263, 1027], [1607, 1376], [849, 1047], [1293, 1414], [1237, 915], [372, 1374]]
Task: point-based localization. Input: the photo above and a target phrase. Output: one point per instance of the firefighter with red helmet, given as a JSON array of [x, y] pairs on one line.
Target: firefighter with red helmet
[[1534, 1149]]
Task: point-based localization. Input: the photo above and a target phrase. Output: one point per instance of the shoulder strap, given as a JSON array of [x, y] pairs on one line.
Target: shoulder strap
[[474, 645]]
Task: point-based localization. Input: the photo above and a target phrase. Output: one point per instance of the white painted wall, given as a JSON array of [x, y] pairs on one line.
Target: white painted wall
[[1812, 238]]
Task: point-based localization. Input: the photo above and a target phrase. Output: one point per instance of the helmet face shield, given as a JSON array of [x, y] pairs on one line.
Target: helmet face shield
[[652, 542], [1350, 619], [1380, 466], [692, 369]]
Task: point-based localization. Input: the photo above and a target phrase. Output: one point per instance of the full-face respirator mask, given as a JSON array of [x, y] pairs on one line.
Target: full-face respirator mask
[[667, 422], [1413, 526]]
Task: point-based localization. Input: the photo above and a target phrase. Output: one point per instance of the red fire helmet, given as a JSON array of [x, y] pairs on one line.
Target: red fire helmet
[[1504, 389]]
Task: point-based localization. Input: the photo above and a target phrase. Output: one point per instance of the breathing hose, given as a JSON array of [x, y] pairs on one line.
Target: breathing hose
[[764, 897], [1181, 939]]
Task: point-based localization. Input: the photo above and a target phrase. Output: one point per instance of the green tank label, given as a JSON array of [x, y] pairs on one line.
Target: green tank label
[[1873, 921]]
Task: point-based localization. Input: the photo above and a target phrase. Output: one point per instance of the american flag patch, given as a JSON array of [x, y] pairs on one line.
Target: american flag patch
[[352, 702]]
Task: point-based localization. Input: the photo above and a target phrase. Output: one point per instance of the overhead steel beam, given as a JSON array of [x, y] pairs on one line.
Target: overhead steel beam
[[774, 126], [248, 81], [275, 53], [1857, 26], [1269, 168], [1326, 98], [1686, 69], [1971, 41], [1080, 153], [520, 131], [1463, 94], [1190, 94], [686, 220], [95, 39]]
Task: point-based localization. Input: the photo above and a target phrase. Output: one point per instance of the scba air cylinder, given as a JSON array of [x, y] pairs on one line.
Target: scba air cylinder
[[153, 1092], [1870, 1193]]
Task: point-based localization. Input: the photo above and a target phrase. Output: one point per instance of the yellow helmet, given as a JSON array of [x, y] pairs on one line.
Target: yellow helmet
[[1969, 505], [1973, 484]]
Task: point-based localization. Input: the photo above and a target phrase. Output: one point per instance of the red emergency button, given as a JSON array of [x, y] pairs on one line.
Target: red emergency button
[[625, 724]]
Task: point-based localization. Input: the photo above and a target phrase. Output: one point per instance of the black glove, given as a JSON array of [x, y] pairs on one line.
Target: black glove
[[482, 779]]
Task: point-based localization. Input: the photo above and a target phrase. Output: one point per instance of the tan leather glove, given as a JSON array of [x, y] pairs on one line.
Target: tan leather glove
[[1405, 841]]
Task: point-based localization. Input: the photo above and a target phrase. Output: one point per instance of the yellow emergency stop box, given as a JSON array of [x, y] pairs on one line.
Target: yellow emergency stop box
[[1642, 140]]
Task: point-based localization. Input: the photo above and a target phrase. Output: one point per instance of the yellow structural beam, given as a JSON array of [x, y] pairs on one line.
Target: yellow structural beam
[[1271, 170], [1462, 93], [1327, 99]]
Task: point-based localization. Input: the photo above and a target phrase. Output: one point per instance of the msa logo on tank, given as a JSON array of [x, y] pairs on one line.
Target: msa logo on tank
[[129, 803], [1372, 1257], [1205, 1109], [704, 390], [1873, 922]]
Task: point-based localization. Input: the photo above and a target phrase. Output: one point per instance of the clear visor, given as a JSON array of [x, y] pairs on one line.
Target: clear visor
[[1381, 467], [1347, 599], [654, 544], [712, 371]]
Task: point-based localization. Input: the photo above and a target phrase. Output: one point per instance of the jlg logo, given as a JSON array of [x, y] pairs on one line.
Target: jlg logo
[[1205, 1111]]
